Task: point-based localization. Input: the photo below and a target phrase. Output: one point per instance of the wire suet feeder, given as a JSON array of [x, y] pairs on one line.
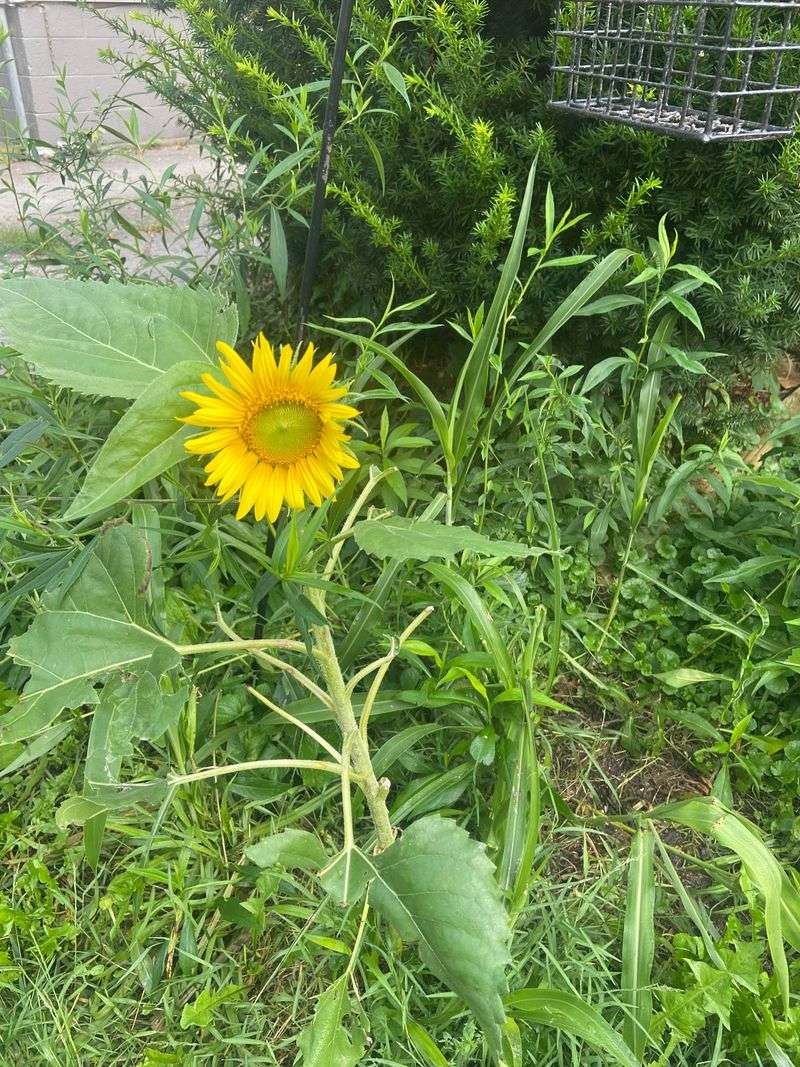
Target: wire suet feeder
[[712, 70]]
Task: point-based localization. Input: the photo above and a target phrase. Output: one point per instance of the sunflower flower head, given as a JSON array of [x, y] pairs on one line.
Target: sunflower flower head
[[275, 429]]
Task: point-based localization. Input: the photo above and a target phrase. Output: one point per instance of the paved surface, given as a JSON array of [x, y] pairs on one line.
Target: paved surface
[[55, 197], [161, 252]]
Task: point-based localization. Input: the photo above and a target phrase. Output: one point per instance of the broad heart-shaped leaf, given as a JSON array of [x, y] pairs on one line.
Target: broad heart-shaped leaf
[[401, 538], [436, 886], [110, 339], [288, 849], [146, 441], [325, 1042], [93, 629]]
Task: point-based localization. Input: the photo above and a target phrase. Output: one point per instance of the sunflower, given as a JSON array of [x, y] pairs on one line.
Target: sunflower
[[276, 429]]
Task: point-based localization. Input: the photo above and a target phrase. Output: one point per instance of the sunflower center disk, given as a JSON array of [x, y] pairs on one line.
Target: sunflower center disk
[[284, 432]]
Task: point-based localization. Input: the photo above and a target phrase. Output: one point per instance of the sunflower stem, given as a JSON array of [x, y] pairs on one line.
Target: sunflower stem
[[353, 741]]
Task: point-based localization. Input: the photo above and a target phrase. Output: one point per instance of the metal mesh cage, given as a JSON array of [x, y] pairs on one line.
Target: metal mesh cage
[[715, 70]]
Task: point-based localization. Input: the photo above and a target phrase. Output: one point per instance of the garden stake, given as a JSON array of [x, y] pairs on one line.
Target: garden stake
[[323, 167]]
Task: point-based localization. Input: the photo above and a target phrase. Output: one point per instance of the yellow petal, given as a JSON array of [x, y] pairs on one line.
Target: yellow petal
[[211, 442], [323, 374], [275, 487], [249, 493], [338, 411], [303, 369], [236, 370], [260, 476], [346, 460], [264, 367], [309, 483], [294, 490], [223, 392], [236, 475]]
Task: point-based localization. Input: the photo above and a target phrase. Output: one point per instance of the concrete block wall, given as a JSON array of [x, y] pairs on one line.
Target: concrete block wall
[[48, 36]]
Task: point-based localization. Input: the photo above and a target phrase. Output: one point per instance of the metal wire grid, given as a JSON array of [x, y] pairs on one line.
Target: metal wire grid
[[708, 69]]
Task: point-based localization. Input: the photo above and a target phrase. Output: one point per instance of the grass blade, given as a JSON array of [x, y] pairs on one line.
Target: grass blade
[[480, 618], [570, 306], [638, 942], [708, 816], [568, 1012], [475, 371]]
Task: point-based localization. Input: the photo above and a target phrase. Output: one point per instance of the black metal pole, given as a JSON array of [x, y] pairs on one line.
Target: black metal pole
[[329, 124], [311, 260]]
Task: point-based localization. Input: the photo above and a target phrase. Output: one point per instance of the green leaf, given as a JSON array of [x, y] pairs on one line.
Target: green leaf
[[110, 339], [396, 80], [609, 303], [687, 310], [706, 815], [567, 309], [43, 743], [638, 942], [569, 1013], [425, 1045], [481, 619], [288, 849], [436, 886], [278, 252], [15, 443], [717, 990], [347, 876], [128, 710], [325, 1042], [682, 676], [200, 1012], [94, 628], [146, 441], [752, 568], [474, 375], [602, 370], [695, 272], [401, 538]]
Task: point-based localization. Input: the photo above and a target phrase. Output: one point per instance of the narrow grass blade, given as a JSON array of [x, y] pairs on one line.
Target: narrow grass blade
[[638, 942], [569, 307], [706, 815], [480, 618], [474, 376], [691, 907]]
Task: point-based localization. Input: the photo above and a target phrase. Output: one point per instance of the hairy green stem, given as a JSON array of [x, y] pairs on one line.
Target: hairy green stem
[[375, 792]]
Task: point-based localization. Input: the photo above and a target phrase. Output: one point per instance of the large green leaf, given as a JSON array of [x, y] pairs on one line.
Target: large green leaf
[[93, 629], [325, 1042], [436, 886], [569, 1013], [110, 339], [401, 538], [146, 441]]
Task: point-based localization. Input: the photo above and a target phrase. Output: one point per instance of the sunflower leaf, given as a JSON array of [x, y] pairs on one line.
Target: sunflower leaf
[[109, 339], [436, 886], [93, 629], [401, 538], [325, 1042], [146, 441]]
